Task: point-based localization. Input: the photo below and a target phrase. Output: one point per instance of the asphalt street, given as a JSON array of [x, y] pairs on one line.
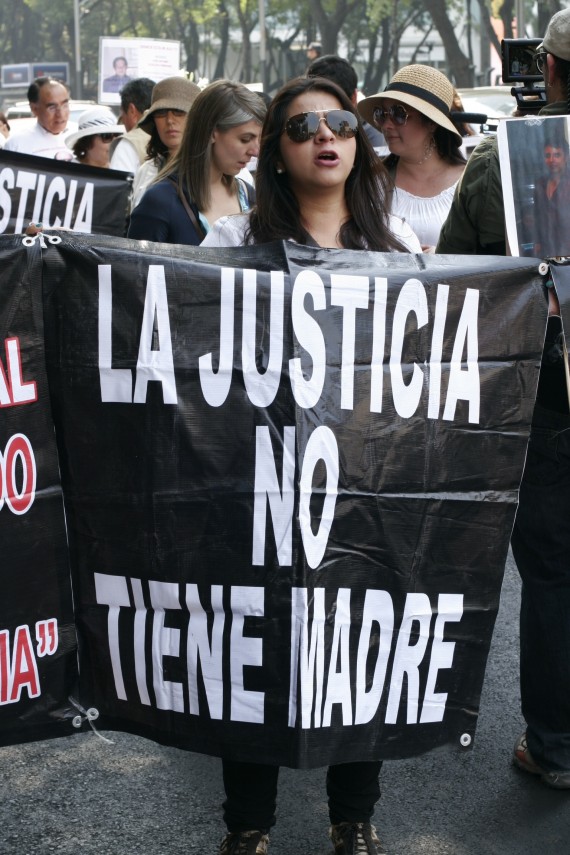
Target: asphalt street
[[83, 796]]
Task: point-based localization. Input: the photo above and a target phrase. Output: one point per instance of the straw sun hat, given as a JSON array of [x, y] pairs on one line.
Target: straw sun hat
[[96, 120], [419, 86], [172, 93]]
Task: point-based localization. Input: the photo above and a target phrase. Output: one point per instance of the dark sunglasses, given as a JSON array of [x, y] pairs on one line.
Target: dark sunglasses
[[109, 137], [305, 126], [396, 112], [162, 114], [540, 60]]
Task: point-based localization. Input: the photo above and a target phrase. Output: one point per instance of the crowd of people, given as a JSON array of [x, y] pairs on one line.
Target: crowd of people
[[158, 140], [319, 181]]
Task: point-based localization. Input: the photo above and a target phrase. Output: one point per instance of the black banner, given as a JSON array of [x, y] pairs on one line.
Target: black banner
[[558, 273], [290, 477], [38, 647], [61, 195]]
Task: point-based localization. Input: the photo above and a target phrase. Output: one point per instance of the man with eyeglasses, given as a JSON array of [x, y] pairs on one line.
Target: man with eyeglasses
[[49, 103], [541, 535]]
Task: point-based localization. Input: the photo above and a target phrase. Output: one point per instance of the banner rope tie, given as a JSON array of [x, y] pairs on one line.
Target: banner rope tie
[[90, 715]]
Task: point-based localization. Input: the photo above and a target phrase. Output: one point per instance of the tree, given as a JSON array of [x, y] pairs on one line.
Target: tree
[[370, 32], [461, 69], [331, 17], [247, 13]]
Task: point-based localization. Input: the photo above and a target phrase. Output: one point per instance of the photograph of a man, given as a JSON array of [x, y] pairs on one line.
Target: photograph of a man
[[117, 80], [552, 195], [535, 174]]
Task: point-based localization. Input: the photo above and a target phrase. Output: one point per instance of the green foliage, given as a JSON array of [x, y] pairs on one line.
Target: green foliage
[[30, 31]]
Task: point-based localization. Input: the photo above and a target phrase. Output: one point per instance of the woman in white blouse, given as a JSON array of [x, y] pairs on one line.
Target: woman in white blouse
[[425, 161]]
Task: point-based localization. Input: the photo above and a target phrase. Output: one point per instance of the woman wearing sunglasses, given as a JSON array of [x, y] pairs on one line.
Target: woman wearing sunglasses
[[201, 182], [164, 121], [319, 183], [96, 130], [425, 161], [318, 180]]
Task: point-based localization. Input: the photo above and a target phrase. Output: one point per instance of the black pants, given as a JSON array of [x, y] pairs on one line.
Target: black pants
[[251, 793], [541, 547]]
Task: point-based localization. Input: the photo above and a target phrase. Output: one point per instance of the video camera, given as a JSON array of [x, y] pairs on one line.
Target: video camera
[[519, 66]]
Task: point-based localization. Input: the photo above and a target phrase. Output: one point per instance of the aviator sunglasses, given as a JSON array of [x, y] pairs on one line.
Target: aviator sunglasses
[[396, 112], [304, 126]]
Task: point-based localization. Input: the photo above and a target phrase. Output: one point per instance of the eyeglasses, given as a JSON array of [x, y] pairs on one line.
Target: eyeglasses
[[55, 108], [396, 112], [304, 126], [162, 114], [109, 137], [540, 60]]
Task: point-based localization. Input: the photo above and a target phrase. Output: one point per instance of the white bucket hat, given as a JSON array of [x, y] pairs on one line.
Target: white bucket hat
[[96, 120]]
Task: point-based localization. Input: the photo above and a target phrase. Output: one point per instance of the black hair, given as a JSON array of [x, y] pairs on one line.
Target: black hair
[[337, 69], [554, 135], [39, 83], [137, 92], [155, 148], [82, 146]]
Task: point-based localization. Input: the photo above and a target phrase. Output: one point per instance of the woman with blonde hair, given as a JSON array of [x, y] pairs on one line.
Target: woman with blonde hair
[[425, 160], [201, 182]]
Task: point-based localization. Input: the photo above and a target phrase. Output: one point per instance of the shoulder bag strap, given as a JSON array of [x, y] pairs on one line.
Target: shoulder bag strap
[[193, 219]]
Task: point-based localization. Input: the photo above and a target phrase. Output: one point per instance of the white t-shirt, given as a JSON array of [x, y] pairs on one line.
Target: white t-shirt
[[230, 231], [39, 142]]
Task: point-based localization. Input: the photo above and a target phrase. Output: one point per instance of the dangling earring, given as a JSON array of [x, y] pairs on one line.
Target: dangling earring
[[279, 170], [428, 150]]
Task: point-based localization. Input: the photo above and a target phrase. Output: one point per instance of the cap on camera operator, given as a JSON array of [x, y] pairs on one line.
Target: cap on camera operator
[[541, 535]]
